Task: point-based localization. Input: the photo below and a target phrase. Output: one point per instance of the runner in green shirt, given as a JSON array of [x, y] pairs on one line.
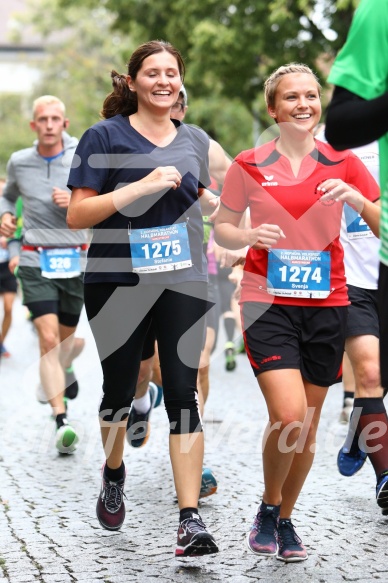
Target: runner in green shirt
[[358, 115]]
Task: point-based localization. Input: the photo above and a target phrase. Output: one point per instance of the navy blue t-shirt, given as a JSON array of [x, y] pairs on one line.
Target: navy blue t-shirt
[[112, 154]]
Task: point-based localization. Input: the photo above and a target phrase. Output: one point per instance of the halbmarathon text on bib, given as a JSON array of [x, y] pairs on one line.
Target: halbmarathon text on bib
[[299, 273], [159, 249]]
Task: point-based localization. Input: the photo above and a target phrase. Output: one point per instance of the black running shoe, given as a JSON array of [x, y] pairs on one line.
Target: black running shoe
[[193, 538], [110, 504], [71, 385], [138, 424]]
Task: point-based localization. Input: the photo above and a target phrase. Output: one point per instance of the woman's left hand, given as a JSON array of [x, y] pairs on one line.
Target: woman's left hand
[[338, 190], [209, 203], [231, 258]]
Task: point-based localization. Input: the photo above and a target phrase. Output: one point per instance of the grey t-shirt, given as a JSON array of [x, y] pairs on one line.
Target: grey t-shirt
[[33, 177]]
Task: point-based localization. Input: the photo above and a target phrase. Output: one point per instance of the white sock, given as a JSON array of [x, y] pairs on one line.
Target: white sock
[[143, 404]]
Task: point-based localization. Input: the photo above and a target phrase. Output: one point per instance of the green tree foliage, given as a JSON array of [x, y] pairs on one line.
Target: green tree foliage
[[231, 46], [81, 51], [11, 138]]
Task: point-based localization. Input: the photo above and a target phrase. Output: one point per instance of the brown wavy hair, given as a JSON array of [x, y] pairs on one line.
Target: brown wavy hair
[[123, 101]]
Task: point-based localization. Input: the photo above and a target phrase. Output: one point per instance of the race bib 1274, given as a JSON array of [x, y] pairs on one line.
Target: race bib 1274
[[299, 273]]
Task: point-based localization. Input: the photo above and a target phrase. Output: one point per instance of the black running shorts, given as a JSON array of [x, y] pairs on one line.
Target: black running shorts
[[295, 337], [8, 283], [363, 317]]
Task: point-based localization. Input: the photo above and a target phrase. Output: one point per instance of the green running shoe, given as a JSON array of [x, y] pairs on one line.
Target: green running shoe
[[230, 356], [66, 439]]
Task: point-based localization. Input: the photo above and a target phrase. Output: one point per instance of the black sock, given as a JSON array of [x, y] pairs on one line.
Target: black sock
[[60, 420], [114, 475], [187, 513], [351, 444]]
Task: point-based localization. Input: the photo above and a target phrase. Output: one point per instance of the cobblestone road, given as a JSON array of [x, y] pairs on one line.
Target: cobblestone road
[[48, 529]]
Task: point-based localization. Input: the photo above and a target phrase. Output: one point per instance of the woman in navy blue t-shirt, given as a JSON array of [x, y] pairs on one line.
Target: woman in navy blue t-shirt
[[139, 179]]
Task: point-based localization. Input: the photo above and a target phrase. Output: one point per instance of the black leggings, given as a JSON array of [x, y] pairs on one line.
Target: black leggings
[[120, 317], [383, 319]]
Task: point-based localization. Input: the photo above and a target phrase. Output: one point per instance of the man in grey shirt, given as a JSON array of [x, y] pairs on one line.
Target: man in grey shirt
[[51, 255]]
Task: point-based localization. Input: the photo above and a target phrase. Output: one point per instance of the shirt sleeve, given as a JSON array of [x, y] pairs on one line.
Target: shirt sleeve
[[91, 162]]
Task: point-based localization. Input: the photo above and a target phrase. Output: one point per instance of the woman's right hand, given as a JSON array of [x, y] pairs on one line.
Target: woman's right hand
[[163, 177], [264, 236]]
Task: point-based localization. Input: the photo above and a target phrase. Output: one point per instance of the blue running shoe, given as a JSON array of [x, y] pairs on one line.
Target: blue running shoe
[[382, 491], [349, 463], [208, 483]]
